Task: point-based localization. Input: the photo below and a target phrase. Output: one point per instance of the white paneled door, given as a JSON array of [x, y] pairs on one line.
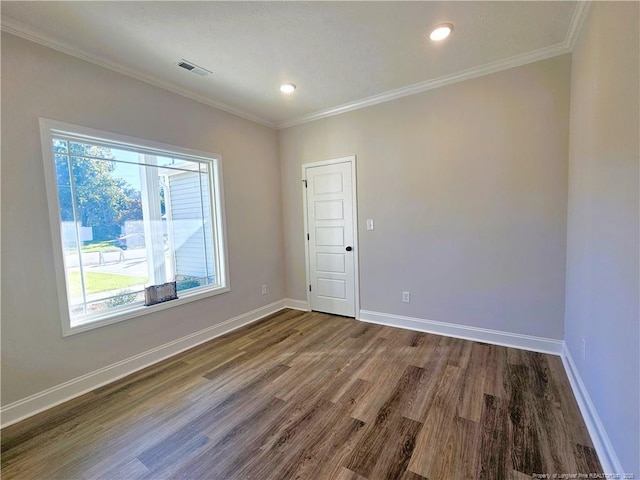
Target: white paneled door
[[331, 237]]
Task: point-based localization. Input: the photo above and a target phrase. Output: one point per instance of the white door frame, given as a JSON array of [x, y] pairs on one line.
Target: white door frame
[[356, 270]]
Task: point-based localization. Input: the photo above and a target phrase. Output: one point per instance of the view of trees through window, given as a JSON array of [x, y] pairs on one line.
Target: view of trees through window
[[129, 219]]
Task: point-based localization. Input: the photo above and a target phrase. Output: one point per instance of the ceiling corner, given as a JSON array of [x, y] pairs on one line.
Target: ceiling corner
[[18, 29], [577, 21]]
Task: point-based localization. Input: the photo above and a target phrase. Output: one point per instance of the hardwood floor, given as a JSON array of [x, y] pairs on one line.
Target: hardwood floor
[[313, 396]]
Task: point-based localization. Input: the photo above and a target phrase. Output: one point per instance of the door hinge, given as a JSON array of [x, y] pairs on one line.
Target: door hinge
[[305, 183], [309, 287], [308, 237]]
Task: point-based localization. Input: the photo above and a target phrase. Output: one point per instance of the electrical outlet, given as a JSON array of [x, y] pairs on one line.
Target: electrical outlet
[[406, 297], [584, 349], [264, 289]]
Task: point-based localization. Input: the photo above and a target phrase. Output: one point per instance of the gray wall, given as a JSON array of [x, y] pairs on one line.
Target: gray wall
[[37, 81], [467, 185], [603, 221]]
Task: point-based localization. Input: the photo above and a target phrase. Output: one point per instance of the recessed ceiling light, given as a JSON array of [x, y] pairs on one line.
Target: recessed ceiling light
[[441, 32], [287, 88]]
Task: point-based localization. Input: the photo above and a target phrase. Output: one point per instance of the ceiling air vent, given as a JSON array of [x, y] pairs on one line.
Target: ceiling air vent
[[193, 68]]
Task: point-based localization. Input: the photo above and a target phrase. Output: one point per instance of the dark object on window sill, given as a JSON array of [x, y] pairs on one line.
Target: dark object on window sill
[[160, 293]]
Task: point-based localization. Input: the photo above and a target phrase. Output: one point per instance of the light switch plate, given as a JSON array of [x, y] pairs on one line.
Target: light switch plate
[[369, 224]]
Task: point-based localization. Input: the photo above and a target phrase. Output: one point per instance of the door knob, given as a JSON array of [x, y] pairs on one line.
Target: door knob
[[349, 249]]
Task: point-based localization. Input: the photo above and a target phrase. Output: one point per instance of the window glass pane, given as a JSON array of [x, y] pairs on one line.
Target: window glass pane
[[60, 146], [168, 161], [112, 270], [69, 232], [130, 219], [90, 150], [189, 214]]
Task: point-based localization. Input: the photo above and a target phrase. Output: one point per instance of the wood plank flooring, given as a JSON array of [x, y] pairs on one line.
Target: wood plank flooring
[[313, 396]]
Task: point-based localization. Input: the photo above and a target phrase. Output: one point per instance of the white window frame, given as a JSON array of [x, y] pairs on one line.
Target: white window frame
[[48, 129]]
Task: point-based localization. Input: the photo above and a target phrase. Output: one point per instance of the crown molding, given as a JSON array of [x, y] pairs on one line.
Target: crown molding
[[20, 30], [577, 20], [486, 69], [575, 26]]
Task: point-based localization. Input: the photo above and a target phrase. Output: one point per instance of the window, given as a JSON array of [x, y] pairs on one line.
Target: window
[[128, 213]]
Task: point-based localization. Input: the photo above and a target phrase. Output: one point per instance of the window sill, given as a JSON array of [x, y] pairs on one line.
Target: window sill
[[93, 322]]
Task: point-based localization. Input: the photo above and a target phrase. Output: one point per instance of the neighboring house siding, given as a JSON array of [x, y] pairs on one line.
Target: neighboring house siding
[[189, 213]]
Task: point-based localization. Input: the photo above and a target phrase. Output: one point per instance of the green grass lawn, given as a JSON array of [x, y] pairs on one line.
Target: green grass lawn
[[101, 282], [98, 246], [88, 247]]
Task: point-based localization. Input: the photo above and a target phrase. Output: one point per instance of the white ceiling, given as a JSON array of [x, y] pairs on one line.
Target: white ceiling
[[341, 55]]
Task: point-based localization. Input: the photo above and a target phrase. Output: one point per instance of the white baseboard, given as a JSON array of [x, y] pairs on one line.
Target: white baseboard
[[495, 337], [606, 453], [51, 397], [296, 304]]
